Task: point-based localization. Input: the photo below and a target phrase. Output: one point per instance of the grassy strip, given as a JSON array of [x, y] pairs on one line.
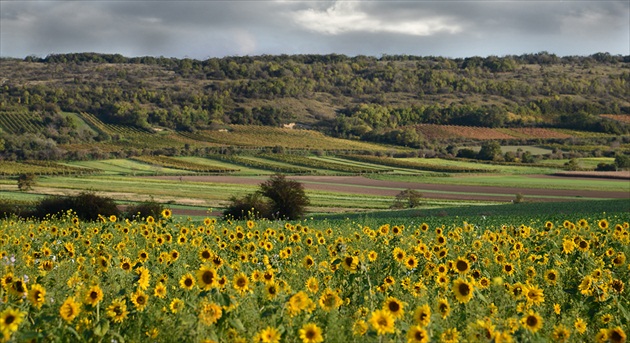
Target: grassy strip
[[548, 210], [317, 164], [517, 181], [409, 164], [170, 162]]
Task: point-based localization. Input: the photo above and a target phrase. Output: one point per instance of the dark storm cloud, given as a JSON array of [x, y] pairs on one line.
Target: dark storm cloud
[[201, 29]]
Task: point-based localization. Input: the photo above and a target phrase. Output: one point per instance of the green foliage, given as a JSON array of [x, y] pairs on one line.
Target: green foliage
[[288, 197], [250, 206], [409, 198], [622, 161], [87, 206], [25, 182], [144, 209], [490, 150]]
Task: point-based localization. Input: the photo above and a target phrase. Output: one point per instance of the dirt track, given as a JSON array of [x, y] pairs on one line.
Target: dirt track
[[362, 185]]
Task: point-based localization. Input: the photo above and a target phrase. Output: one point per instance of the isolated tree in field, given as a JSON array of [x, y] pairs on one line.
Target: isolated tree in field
[[489, 150], [409, 198], [26, 182], [288, 197]]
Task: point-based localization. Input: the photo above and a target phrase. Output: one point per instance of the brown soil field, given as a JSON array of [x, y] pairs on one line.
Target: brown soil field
[[362, 185]]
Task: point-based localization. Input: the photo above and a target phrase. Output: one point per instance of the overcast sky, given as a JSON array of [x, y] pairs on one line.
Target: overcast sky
[[204, 28]]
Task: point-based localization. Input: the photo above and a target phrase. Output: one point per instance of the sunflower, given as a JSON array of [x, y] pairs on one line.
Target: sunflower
[[603, 224], [551, 277], [560, 333], [299, 302], [206, 278], [568, 246], [422, 315], [10, 320], [176, 305], [69, 309], [450, 336], [139, 300], [311, 333], [143, 277], [616, 335], [18, 288], [37, 295], [461, 265], [160, 290], [210, 313], [533, 294], [382, 321], [444, 308], [241, 283], [187, 282], [394, 306], [580, 325], [619, 259], [411, 262], [583, 245], [360, 327], [125, 264], [399, 254], [93, 296], [508, 268], [271, 290], [270, 335], [532, 321], [312, 285], [463, 290], [166, 213], [308, 261], [417, 334], [329, 300], [350, 263]]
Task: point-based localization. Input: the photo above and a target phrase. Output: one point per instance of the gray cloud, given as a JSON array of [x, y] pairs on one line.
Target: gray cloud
[[202, 29]]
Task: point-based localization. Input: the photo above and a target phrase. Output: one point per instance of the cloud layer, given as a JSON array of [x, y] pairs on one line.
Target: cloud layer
[[202, 29]]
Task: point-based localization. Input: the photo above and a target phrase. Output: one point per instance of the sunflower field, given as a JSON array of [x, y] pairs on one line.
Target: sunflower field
[[165, 279]]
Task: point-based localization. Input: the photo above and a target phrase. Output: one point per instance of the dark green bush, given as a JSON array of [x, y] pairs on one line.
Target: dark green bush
[[251, 206], [86, 205], [144, 210]]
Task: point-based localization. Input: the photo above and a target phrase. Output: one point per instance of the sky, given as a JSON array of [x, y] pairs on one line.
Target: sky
[[202, 29]]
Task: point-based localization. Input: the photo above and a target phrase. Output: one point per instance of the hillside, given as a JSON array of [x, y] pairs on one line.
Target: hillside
[[98, 100]]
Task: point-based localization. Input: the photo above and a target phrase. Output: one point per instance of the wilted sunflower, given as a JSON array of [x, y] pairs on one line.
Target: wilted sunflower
[[312, 285], [382, 321], [417, 334], [422, 315], [444, 308], [463, 290], [210, 313], [329, 300], [37, 295], [69, 309], [93, 296], [560, 333], [311, 333], [350, 263], [532, 321]]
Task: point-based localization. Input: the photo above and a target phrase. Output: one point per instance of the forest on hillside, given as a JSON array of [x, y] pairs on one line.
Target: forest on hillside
[[357, 97]]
